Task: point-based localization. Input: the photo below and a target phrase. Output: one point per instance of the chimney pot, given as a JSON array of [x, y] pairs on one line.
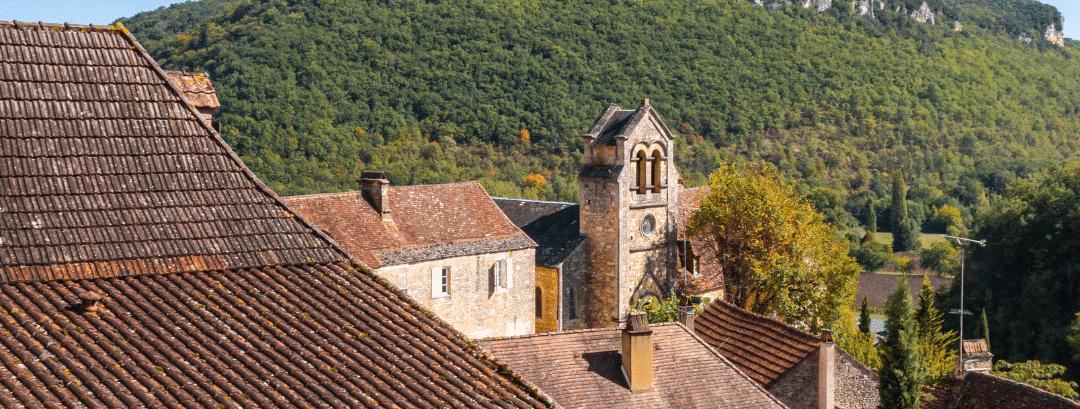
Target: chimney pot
[[826, 372], [90, 301], [686, 317], [637, 353]]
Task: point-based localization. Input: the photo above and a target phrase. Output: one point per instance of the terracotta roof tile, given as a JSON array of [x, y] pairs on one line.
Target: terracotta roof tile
[[976, 348], [581, 369], [762, 347], [427, 222], [325, 335]]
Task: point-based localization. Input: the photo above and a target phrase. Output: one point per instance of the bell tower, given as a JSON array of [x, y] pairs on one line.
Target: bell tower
[[629, 188]]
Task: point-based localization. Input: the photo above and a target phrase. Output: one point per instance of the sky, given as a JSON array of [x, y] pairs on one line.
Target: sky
[[106, 11]]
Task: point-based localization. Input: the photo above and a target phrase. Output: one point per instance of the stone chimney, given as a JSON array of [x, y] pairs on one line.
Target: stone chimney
[[686, 317], [374, 188], [826, 372], [637, 353]]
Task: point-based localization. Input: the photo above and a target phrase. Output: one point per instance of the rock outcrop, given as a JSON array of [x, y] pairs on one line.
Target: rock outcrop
[[1054, 36], [924, 14]]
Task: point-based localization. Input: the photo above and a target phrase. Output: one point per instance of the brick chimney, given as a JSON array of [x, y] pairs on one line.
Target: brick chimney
[[826, 371], [373, 187], [637, 353], [686, 317]]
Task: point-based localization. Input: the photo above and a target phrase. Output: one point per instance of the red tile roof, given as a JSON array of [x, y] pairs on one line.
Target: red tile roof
[[324, 335], [976, 348], [213, 293], [762, 347], [427, 222], [581, 369], [106, 172]]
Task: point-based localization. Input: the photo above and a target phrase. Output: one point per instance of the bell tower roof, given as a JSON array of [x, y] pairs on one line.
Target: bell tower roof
[[616, 124]]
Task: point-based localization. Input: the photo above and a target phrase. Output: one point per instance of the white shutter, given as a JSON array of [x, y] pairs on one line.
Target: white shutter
[[436, 282], [509, 273]]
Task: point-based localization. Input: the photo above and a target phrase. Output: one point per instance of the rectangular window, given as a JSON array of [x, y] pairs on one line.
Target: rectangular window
[[440, 282], [500, 274]]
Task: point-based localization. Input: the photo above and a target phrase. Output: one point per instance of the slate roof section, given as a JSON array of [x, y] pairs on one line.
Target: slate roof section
[[325, 335], [581, 369], [614, 123], [214, 294], [105, 171], [552, 225], [989, 391], [428, 222], [764, 348]]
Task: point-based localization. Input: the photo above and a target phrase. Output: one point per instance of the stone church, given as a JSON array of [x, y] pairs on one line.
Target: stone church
[[619, 243], [571, 265]]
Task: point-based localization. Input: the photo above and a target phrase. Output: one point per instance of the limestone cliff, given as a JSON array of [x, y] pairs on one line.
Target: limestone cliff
[[924, 14]]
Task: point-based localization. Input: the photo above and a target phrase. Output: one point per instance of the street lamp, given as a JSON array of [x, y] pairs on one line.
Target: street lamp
[[962, 312]]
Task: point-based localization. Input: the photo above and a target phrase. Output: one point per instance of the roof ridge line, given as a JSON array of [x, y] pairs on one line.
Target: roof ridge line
[[530, 200], [216, 137]]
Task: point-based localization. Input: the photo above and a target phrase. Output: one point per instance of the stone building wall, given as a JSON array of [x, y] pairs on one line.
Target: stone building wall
[[573, 276], [600, 225], [472, 307], [856, 385]]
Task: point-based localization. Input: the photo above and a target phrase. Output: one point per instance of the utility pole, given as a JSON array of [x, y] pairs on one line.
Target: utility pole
[[962, 312]]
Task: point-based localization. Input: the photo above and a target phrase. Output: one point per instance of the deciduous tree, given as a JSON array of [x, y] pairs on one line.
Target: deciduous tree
[[775, 253]]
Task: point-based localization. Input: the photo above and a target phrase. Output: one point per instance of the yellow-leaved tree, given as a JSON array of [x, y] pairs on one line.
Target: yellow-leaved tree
[[774, 251]]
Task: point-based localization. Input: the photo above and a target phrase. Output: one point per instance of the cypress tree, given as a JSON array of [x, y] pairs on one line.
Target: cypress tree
[[900, 384], [905, 232], [864, 317], [871, 216], [899, 206], [984, 329]]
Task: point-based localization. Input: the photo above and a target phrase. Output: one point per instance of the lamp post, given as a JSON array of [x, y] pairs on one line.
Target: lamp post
[[962, 312]]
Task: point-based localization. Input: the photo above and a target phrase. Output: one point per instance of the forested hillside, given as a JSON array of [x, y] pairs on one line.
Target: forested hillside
[[315, 91]]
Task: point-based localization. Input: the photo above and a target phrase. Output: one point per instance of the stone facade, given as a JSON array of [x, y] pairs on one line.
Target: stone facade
[[629, 185], [572, 272], [474, 305], [798, 388]]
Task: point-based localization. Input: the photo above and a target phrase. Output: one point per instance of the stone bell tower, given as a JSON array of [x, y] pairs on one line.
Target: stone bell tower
[[629, 189]]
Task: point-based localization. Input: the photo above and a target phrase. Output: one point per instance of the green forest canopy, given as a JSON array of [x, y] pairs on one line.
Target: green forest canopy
[[315, 91]]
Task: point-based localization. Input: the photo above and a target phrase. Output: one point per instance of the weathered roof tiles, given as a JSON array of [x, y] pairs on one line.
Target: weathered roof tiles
[[210, 292]]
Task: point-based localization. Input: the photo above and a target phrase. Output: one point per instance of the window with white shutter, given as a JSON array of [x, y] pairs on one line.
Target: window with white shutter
[[440, 282]]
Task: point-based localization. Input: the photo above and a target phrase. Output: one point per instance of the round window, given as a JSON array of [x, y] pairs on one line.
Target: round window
[[648, 225]]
